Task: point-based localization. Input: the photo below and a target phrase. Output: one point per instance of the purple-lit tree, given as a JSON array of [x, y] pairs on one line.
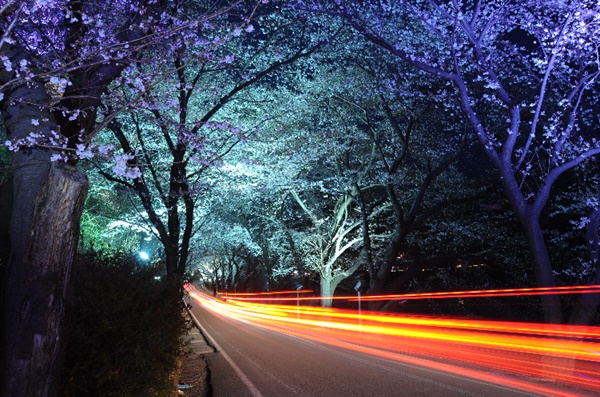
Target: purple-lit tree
[[58, 58], [579, 205], [524, 73]]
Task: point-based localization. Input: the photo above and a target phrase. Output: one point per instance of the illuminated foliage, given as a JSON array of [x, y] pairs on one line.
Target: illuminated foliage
[[524, 74], [185, 118], [313, 138], [57, 60]]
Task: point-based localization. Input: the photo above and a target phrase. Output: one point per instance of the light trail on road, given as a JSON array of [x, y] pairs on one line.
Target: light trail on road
[[242, 295], [545, 359], [491, 293]]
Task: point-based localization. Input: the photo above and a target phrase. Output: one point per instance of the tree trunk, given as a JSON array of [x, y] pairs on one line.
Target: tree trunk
[[6, 203], [380, 277], [329, 282], [529, 217], [44, 234], [327, 290], [551, 305]]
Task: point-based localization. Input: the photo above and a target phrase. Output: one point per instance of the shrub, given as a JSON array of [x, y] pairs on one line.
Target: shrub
[[127, 329]]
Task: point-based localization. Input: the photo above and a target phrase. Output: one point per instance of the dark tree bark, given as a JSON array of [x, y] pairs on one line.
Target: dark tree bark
[[587, 305], [44, 228], [6, 193], [366, 254], [38, 277], [551, 304], [528, 216]]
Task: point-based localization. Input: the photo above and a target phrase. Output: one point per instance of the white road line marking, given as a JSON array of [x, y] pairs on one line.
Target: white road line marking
[[253, 390]]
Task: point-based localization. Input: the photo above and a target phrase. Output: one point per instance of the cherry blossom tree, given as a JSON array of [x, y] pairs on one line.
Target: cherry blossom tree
[[327, 160], [58, 58], [190, 118], [320, 161], [524, 73], [402, 173], [253, 214], [415, 146], [225, 256]]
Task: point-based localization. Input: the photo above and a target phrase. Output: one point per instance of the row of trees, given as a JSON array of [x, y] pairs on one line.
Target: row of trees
[[63, 64], [533, 132], [357, 158], [260, 140]]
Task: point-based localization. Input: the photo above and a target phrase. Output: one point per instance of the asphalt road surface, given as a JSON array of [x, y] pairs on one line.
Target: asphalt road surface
[[254, 361]]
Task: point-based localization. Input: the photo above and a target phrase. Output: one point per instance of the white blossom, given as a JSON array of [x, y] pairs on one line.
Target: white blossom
[[6, 62], [122, 168]]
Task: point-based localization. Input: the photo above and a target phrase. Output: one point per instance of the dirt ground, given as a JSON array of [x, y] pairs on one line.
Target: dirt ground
[[194, 373]]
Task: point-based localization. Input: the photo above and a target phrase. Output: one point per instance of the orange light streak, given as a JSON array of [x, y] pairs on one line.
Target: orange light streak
[[501, 352], [564, 290], [242, 294]]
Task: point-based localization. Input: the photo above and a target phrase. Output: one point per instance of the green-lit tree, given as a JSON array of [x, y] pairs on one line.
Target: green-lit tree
[[189, 117]]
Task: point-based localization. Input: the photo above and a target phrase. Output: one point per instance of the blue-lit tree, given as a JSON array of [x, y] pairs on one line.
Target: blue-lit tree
[[317, 158], [414, 146], [524, 73], [190, 116], [332, 157]]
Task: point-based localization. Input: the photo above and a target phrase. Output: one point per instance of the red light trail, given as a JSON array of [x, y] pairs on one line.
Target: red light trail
[[570, 290], [245, 294], [582, 289], [547, 359]]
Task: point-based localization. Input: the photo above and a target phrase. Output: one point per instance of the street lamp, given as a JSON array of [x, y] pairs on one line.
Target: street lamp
[[144, 255]]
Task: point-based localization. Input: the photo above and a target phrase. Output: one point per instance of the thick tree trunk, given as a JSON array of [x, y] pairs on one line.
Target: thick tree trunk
[[379, 283], [380, 277], [329, 282], [551, 305], [6, 202], [528, 216], [327, 290], [44, 234]]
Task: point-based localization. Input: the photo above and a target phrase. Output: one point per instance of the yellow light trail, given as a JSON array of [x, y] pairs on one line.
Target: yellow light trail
[[507, 353], [246, 294], [563, 290]]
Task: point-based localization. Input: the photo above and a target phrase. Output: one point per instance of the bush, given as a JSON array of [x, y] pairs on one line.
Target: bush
[[127, 329]]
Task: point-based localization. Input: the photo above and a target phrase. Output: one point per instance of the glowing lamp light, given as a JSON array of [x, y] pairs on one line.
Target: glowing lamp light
[[144, 255]]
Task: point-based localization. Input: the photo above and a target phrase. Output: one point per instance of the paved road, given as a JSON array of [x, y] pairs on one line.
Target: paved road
[[254, 361]]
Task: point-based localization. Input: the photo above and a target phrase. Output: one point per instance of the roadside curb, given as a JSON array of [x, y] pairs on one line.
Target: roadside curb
[[197, 337], [194, 379]]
